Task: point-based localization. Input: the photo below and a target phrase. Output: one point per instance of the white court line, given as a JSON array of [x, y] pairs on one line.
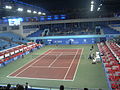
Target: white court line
[[41, 66], [47, 67], [59, 54], [66, 49], [40, 78], [31, 64], [27, 63], [55, 60], [62, 52], [70, 64], [60, 67], [78, 64]]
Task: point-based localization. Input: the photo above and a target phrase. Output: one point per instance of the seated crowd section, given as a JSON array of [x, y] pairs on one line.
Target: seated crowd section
[[65, 29], [9, 39], [110, 54], [62, 29], [14, 49], [109, 30], [115, 26], [14, 53], [10, 87], [26, 86]]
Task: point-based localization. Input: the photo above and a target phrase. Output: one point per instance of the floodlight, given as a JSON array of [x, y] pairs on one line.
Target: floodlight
[[98, 9], [92, 2], [43, 13], [34, 12], [39, 13], [100, 5], [8, 7], [20, 9], [91, 8], [29, 11]]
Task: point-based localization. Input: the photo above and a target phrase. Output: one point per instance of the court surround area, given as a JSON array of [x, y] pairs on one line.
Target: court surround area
[[55, 64], [44, 67]]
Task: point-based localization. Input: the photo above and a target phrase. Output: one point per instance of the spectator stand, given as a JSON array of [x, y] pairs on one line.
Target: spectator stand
[[114, 49], [33, 46], [17, 52], [112, 68], [1, 59], [39, 46], [102, 58]]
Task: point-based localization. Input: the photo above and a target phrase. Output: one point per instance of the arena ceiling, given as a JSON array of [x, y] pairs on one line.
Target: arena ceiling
[[81, 5], [79, 8]]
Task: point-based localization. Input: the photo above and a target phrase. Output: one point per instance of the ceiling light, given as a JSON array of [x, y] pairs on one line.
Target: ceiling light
[[29, 11], [20, 9], [8, 7], [98, 9], [100, 5], [91, 8], [92, 2], [39, 13], [43, 13], [34, 12]]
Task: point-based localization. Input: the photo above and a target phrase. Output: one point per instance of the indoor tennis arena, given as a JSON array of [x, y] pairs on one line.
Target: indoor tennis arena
[[59, 45]]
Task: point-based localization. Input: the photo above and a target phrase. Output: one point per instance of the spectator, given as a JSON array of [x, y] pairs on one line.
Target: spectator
[[61, 87], [85, 88], [119, 62], [3, 62], [94, 61], [27, 86], [92, 47], [93, 56], [8, 87], [90, 57], [19, 87]]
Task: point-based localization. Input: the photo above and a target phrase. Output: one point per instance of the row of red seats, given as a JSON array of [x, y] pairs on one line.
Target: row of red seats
[[24, 48], [111, 65], [115, 48]]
